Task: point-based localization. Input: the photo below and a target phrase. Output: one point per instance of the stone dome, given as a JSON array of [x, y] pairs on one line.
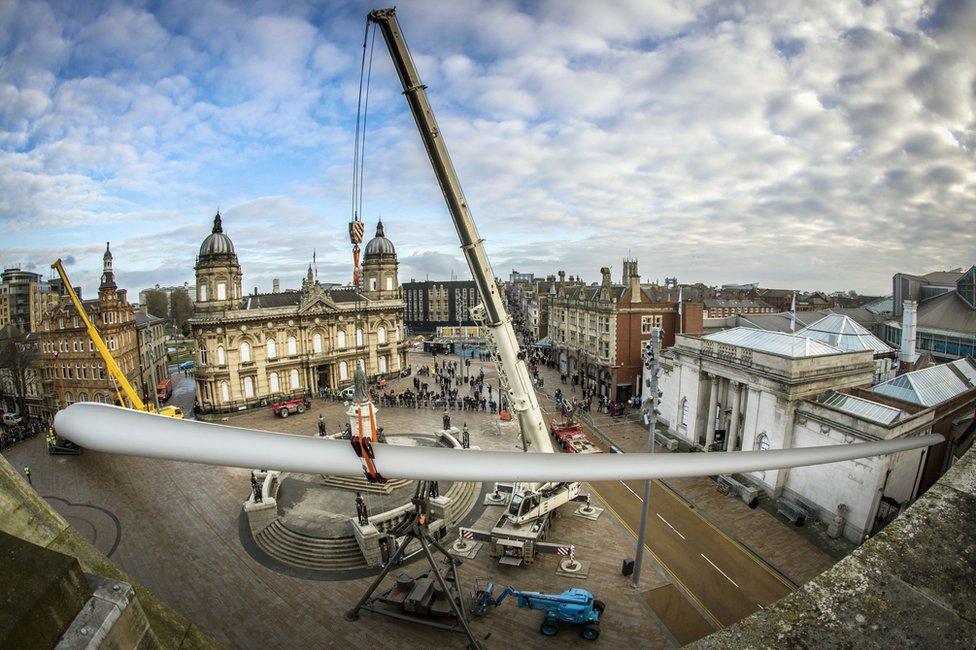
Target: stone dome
[[217, 243], [379, 245]]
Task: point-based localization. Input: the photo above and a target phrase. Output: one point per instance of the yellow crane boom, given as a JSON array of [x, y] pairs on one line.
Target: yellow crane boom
[[135, 402]]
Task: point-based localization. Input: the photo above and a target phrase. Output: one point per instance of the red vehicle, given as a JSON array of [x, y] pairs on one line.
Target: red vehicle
[[571, 438], [164, 389], [286, 408]]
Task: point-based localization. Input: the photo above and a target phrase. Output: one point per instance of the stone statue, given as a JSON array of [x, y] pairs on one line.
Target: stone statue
[[360, 381], [255, 488], [361, 513], [465, 437]]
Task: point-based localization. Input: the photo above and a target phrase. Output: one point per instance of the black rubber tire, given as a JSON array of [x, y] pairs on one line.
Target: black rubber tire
[[590, 633], [300, 409], [599, 606], [283, 413], [549, 629]]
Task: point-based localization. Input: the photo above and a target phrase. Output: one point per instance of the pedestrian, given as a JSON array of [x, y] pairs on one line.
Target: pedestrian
[[465, 437], [446, 419], [321, 426], [28, 475]]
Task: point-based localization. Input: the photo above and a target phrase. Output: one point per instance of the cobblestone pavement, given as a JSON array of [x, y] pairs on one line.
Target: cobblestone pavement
[[174, 526]]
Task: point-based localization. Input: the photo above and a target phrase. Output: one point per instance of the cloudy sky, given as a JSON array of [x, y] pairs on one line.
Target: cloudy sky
[[797, 144]]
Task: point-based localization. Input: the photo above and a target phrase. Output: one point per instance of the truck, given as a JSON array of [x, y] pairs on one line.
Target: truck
[[285, 408], [164, 389], [513, 374], [570, 438]]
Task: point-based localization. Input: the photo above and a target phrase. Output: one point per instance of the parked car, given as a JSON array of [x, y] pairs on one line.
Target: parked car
[[12, 419], [186, 365], [348, 392], [287, 407]]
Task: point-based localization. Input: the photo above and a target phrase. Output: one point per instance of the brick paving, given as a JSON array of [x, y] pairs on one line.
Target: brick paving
[[179, 536]]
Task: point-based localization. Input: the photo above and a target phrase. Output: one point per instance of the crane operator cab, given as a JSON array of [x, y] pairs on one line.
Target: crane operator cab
[[521, 506]]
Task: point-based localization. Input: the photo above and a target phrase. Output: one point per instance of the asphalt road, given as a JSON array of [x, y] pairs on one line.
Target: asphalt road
[[727, 581]]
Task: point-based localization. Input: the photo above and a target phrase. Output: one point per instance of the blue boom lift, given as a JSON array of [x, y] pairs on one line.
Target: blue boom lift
[[574, 605]]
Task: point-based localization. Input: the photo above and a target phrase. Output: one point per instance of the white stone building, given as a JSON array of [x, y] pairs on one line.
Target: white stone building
[[748, 389]]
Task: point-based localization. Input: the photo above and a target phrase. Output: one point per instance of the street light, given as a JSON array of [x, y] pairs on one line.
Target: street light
[[651, 351]]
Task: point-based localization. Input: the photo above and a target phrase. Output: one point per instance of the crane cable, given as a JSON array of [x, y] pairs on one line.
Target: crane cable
[[362, 108]]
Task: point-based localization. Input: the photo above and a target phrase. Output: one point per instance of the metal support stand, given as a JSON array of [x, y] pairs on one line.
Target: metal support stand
[[413, 528]]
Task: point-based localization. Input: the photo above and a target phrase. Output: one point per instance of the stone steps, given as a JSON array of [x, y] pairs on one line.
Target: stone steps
[[308, 552]]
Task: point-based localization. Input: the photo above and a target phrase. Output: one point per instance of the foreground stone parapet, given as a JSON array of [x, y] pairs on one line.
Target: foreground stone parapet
[[911, 585]]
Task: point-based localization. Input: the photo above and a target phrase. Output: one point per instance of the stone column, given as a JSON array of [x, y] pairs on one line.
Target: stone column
[[712, 412], [733, 426]]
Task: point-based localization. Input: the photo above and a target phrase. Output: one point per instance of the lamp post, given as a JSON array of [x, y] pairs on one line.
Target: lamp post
[[652, 349]]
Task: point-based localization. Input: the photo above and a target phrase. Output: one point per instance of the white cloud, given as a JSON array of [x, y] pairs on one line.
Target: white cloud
[[819, 144]]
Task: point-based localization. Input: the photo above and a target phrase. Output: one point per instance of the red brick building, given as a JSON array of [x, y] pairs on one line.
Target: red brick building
[[597, 330]]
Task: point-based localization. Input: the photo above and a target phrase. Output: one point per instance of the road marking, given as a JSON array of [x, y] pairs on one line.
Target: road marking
[[720, 571], [632, 492], [674, 577], [670, 526]]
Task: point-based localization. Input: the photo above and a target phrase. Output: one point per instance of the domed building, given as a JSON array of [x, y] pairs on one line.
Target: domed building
[[259, 347], [380, 267]]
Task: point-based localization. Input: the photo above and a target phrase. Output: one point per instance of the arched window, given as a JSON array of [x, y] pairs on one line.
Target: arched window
[[292, 346], [221, 291], [343, 371], [294, 380], [341, 339], [68, 399], [317, 343], [372, 284], [359, 338], [245, 352], [202, 292], [82, 397], [273, 381], [221, 360], [224, 391], [381, 334], [272, 349], [100, 398], [762, 442], [248, 387], [389, 283], [382, 365]]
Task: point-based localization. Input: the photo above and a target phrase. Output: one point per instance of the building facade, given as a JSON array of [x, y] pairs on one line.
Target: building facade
[[597, 331], [748, 389], [251, 349], [151, 335], [722, 307], [25, 297], [431, 304], [71, 368], [942, 313]]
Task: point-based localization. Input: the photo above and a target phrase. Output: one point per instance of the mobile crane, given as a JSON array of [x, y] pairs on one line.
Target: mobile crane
[[127, 394], [531, 502]]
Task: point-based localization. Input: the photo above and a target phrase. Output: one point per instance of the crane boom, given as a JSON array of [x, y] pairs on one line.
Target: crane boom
[[114, 371], [521, 395]]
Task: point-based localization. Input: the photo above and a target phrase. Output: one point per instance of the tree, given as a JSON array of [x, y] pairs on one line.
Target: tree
[[180, 309], [18, 358], [156, 302]]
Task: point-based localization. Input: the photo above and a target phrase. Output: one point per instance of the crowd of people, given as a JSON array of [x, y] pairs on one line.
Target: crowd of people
[[10, 435], [447, 388]]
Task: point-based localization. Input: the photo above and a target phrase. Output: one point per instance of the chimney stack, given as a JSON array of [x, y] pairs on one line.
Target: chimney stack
[[275, 285], [909, 327], [635, 288], [605, 272]]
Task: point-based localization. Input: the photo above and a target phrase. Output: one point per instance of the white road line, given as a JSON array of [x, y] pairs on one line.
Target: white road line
[[670, 526], [632, 492], [720, 571]]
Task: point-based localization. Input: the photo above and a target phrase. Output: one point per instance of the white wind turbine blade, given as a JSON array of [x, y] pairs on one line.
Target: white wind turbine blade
[[102, 427]]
